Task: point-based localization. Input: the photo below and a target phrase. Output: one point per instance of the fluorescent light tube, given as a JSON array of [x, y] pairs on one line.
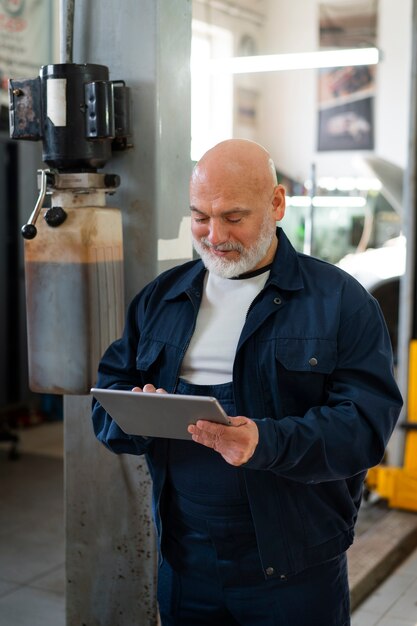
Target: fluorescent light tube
[[295, 61], [327, 201]]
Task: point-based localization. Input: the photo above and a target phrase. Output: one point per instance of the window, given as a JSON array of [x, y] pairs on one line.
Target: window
[[211, 96]]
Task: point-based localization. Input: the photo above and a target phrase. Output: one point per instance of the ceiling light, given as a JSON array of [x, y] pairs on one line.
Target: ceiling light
[[327, 201], [295, 61]]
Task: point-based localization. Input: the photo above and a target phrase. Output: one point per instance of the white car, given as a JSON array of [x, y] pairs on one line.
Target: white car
[[379, 270]]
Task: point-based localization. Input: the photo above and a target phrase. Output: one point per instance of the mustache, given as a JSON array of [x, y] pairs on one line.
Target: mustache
[[227, 246]]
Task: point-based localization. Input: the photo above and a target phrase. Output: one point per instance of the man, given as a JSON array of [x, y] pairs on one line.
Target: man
[[254, 519]]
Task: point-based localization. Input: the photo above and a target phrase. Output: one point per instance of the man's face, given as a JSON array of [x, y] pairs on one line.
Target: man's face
[[233, 226]]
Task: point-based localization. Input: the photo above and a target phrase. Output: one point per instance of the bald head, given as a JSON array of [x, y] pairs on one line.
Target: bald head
[[233, 161], [235, 202]]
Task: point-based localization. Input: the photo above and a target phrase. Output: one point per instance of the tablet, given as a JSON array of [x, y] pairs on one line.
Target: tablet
[[158, 414]]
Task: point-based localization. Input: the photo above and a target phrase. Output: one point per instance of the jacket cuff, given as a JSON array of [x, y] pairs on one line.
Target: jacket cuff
[[266, 452]]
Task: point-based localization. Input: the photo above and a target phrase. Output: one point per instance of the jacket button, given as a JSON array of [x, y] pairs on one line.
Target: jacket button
[[277, 300], [269, 571], [313, 361]]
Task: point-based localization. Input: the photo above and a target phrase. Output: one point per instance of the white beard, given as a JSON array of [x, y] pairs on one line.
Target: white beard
[[248, 257]]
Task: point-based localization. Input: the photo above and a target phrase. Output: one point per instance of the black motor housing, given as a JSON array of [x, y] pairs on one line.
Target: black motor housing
[[75, 110]]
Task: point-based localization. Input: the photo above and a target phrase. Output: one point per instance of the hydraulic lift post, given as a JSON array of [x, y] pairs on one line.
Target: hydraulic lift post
[[398, 484]]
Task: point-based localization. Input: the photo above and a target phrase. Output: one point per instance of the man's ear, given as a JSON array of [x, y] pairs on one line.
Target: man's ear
[[278, 202]]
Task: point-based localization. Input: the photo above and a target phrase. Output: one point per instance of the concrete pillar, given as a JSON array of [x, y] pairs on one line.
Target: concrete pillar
[[111, 559]]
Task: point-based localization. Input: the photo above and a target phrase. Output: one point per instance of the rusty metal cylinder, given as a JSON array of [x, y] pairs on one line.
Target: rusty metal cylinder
[[74, 295]]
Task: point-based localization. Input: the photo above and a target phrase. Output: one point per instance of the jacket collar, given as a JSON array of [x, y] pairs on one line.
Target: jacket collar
[[191, 280], [285, 272]]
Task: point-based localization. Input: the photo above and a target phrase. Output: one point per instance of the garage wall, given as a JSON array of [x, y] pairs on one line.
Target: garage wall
[[288, 124], [285, 103]]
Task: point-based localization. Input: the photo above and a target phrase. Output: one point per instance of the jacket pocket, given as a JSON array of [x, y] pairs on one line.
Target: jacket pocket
[[158, 362], [307, 355], [303, 369], [148, 353], [150, 362], [326, 510]]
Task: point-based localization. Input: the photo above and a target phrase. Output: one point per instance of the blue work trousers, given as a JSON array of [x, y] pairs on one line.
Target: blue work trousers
[[218, 580]]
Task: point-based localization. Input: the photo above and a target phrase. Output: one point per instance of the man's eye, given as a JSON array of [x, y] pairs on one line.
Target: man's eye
[[200, 220], [234, 220]]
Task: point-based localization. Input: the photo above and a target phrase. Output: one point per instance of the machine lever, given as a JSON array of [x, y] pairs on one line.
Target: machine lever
[[29, 230]]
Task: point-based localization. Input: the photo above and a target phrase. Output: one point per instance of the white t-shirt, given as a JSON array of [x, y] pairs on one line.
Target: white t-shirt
[[211, 352]]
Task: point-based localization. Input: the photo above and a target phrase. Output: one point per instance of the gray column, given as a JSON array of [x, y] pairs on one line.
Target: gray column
[[111, 559], [408, 302]]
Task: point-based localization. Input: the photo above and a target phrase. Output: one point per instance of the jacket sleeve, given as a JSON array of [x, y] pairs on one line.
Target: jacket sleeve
[[349, 432], [117, 370]]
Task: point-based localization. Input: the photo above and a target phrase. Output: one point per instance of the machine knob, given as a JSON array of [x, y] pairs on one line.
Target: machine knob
[[55, 216], [28, 231]]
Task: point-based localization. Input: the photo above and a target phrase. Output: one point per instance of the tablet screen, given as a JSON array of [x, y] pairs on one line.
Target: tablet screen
[[158, 414]]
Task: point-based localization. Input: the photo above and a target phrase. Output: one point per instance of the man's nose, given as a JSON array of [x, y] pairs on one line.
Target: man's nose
[[217, 232]]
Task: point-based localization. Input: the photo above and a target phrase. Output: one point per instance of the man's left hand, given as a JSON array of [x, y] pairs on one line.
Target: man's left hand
[[236, 443]]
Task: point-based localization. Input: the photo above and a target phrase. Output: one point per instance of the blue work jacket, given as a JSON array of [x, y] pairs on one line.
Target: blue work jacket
[[313, 369]]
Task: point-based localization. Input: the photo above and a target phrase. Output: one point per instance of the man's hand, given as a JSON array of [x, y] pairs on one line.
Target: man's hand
[[236, 443], [149, 389]]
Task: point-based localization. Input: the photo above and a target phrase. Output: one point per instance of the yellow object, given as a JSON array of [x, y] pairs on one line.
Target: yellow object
[[398, 485]]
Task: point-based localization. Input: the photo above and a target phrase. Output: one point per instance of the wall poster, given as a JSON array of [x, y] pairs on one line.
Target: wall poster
[[25, 40], [346, 94]]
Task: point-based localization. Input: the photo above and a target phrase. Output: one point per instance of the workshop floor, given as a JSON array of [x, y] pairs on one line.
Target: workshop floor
[[32, 574], [32, 542]]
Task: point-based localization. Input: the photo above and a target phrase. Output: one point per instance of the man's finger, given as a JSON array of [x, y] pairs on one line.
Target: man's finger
[[206, 435], [148, 388], [209, 427], [215, 428], [238, 421]]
